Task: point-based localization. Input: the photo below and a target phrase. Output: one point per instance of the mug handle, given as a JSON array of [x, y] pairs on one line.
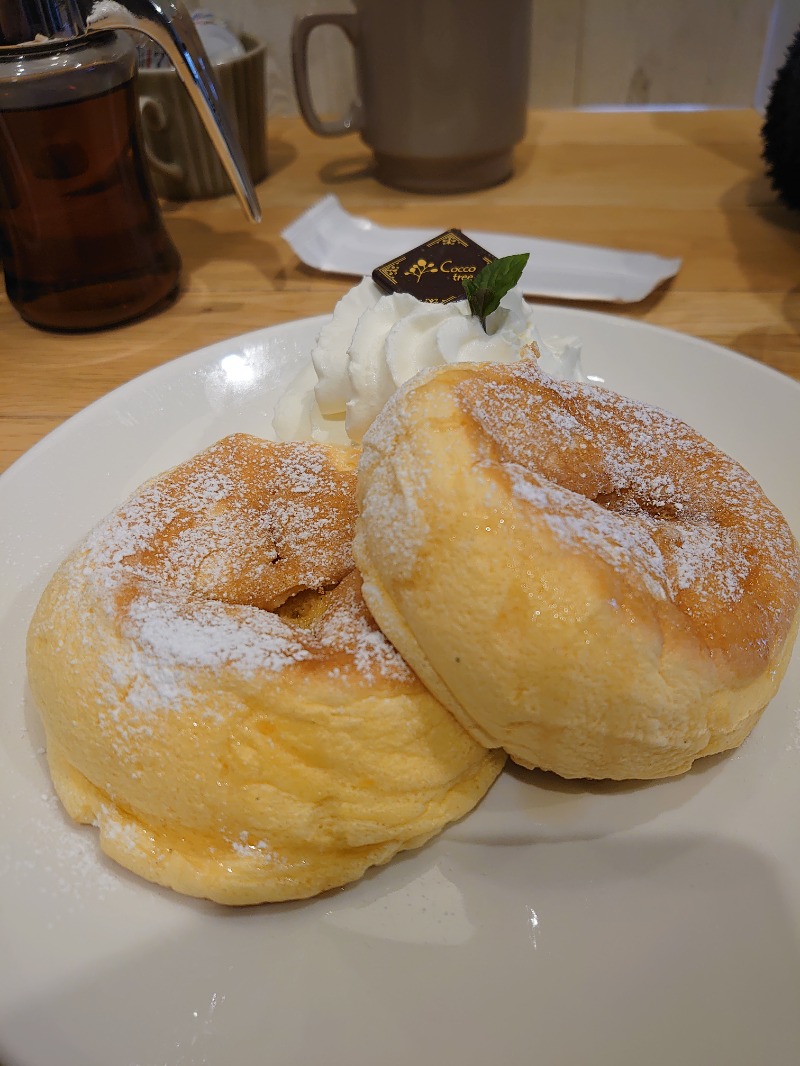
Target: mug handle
[[301, 32], [153, 116]]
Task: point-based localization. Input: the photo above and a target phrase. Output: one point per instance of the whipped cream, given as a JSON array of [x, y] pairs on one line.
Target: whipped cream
[[376, 342]]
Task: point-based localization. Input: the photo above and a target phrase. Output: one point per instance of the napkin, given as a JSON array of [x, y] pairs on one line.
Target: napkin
[[328, 238]]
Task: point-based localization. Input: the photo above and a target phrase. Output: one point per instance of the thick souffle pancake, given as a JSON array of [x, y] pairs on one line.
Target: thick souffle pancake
[[583, 580], [217, 698]]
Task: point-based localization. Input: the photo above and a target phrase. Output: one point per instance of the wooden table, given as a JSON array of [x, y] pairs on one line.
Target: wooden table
[[687, 184]]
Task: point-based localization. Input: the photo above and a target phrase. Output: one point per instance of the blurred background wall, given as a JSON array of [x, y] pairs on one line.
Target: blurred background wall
[[585, 53]]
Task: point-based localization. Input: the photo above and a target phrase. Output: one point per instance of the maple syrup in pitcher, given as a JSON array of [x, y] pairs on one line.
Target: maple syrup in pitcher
[[82, 240]]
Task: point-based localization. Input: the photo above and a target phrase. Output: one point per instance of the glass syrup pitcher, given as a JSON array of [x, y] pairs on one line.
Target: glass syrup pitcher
[[82, 241]]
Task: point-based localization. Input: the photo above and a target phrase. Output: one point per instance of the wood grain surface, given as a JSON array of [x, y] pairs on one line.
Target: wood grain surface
[[687, 184]]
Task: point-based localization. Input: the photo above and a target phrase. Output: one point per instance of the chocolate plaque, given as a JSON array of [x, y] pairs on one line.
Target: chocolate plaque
[[434, 271]]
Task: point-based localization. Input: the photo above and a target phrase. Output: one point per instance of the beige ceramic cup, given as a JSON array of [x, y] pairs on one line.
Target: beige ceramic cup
[[442, 88], [183, 162]]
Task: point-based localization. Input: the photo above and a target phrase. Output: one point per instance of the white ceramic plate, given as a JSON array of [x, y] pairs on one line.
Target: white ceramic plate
[[559, 924]]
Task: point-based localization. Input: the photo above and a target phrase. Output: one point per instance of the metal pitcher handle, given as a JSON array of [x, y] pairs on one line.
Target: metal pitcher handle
[[169, 24]]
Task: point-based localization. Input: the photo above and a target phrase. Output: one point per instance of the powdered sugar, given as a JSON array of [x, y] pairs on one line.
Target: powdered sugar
[[124, 834], [621, 481], [347, 625], [211, 635], [248, 847], [190, 568], [690, 516], [583, 525]]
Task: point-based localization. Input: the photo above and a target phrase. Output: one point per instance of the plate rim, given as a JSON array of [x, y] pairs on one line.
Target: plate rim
[[199, 355]]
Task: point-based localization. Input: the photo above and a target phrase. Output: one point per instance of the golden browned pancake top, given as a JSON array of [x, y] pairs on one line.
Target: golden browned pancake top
[[658, 493], [266, 527]]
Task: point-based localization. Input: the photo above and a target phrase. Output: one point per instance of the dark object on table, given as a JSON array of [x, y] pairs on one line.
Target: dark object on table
[[83, 242], [781, 130], [435, 271]]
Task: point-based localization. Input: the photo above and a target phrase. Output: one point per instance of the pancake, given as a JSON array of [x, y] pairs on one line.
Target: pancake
[[218, 700], [584, 580]]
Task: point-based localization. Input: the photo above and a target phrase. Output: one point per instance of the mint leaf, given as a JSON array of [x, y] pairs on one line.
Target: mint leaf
[[485, 291]]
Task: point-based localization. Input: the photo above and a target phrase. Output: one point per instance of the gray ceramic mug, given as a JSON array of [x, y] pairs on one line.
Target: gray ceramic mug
[[442, 88], [183, 162]]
